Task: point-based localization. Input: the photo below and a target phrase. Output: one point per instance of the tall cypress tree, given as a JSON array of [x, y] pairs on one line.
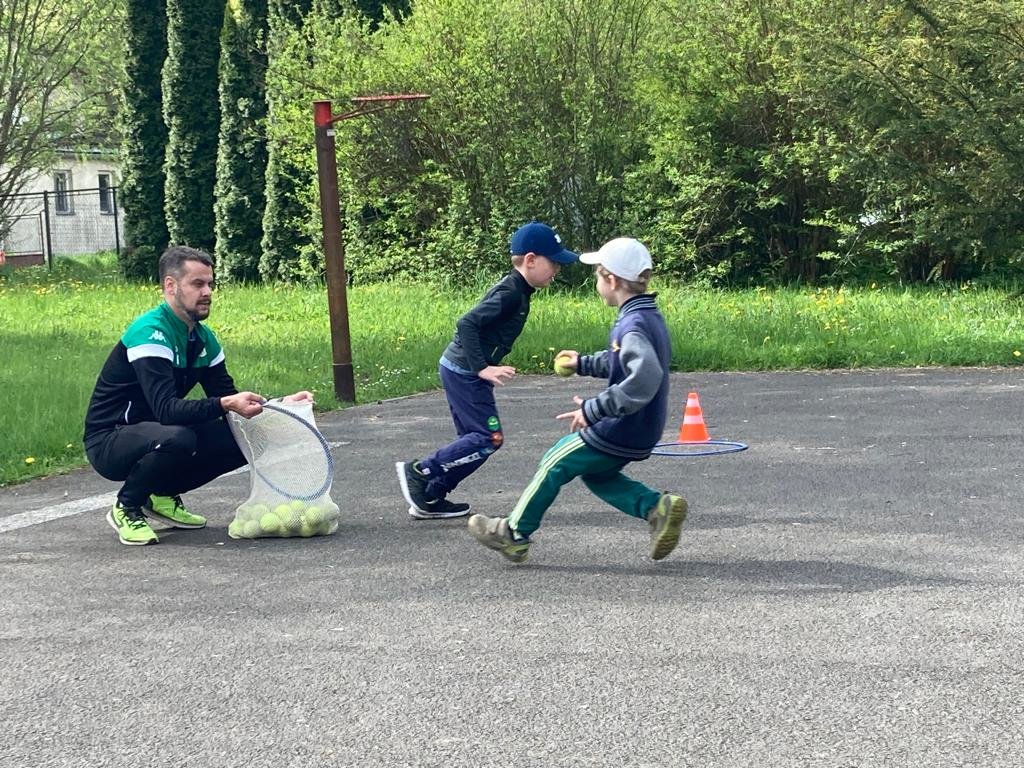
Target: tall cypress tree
[[192, 113], [242, 153], [145, 138], [283, 237]]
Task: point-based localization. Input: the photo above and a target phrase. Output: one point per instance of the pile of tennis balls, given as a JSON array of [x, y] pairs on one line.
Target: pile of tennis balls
[[291, 518]]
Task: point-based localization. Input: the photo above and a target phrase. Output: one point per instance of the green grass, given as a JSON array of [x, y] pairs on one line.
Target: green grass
[[57, 328]]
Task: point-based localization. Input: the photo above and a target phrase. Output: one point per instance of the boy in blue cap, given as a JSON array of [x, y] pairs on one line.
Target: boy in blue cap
[[621, 424], [470, 369]]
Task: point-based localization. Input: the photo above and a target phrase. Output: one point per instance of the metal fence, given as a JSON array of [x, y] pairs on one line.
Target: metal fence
[[66, 222]]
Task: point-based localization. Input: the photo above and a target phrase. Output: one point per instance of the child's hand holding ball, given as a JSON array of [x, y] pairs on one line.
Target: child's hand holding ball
[[566, 362]]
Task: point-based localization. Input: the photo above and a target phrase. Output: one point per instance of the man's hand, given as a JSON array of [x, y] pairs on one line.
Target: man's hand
[[245, 404], [578, 422], [497, 374], [301, 396]]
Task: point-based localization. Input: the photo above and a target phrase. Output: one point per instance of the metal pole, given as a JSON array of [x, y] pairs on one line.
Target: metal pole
[[46, 218], [334, 253], [117, 234]]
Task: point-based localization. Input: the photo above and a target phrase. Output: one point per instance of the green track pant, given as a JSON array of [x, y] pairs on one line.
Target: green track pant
[[568, 458]]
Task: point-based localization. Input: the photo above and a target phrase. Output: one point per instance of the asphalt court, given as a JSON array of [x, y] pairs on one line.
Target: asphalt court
[[847, 592]]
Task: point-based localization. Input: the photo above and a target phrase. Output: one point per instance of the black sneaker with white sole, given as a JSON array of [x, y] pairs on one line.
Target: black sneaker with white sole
[[421, 506], [439, 510]]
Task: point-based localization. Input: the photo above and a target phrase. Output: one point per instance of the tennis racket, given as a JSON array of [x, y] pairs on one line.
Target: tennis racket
[[286, 451]]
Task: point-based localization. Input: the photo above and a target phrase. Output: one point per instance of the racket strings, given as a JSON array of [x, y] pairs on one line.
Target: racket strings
[[286, 453]]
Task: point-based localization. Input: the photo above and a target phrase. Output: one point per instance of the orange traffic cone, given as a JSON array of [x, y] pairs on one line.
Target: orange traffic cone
[[693, 429]]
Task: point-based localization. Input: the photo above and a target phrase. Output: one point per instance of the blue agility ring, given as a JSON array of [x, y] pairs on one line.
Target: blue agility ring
[[715, 448]]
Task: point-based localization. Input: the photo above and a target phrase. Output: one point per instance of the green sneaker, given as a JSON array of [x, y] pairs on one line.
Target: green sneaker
[[666, 519], [493, 532], [131, 526], [170, 510]]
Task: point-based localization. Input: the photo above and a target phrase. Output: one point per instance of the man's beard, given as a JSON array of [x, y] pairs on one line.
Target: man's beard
[[200, 312]]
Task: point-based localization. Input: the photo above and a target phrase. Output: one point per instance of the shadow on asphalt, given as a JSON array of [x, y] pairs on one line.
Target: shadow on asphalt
[[768, 576]]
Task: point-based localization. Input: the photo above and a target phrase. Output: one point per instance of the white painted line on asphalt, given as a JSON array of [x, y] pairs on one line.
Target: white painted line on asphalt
[[44, 515], [67, 509]]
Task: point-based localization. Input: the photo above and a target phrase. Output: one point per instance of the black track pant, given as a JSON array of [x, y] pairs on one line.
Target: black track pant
[[153, 458]]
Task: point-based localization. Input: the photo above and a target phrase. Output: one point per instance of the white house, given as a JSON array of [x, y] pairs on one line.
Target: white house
[[68, 210]]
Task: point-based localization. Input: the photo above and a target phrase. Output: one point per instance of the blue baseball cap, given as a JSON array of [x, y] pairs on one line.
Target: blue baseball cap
[[541, 239]]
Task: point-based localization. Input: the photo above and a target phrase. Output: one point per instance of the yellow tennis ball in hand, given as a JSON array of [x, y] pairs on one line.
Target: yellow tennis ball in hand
[[562, 367]]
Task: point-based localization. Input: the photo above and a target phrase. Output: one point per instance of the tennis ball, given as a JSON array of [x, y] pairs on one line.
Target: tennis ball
[[313, 516], [561, 365], [235, 529], [298, 505], [250, 529], [270, 523], [291, 521], [283, 513]]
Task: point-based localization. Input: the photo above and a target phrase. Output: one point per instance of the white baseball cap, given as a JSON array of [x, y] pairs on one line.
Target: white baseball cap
[[624, 257]]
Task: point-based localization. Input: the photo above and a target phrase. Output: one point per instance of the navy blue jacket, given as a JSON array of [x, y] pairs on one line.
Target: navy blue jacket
[[627, 419]]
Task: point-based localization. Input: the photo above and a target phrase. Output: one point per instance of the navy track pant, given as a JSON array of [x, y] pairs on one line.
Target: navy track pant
[[475, 414]]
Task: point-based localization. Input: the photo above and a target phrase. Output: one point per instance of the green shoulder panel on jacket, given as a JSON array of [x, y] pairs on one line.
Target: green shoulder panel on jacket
[[161, 333]]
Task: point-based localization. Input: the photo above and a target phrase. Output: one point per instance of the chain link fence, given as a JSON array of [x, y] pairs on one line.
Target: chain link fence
[[37, 227]]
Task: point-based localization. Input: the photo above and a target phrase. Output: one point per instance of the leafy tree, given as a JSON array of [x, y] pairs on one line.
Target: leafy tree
[[192, 114], [57, 86], [145, 138], [525, 119], [377, 10], [736, 180], [757, 140], [242, 153], [932, 103]]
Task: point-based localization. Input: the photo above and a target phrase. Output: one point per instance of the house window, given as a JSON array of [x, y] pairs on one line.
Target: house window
[[106, 193], [62, 191]]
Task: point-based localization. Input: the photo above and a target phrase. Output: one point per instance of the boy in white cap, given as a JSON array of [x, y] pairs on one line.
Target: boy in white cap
[[621, 424]]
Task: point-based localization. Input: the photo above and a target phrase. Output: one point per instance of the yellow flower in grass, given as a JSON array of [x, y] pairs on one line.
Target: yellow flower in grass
[[30, 460], [1016, 353]]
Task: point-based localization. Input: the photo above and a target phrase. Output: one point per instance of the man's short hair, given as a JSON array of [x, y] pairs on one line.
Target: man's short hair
[[172, 261]]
